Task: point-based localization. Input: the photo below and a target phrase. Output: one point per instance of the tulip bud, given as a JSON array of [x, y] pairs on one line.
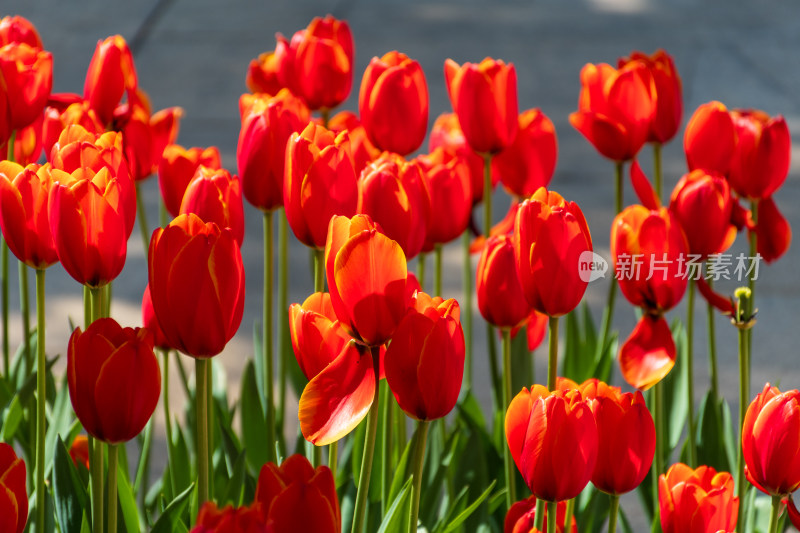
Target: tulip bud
[[696, 501], [177, 168], [111, 74], [500, 298], [760, 162], [216, 196], [710, 138]]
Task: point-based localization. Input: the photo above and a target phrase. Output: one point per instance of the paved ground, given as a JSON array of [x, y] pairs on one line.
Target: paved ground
[[195, 54]]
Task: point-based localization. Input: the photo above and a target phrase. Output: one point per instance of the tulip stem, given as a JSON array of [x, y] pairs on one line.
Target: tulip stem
[[369, 448], [612, 513], [283, 320], [466, 275], [4, 274], [570, 513], [386, 463], [658, 463], [774, 514], [96, 471], [201, 393], [608, 314], [41, 398], [487, 195], [744, 312], [552, 513], [267, 338], [421, 260], [690, 371], [333, 458], [437, 272], [511, 493], [97, 311], [419, 461], [712, 347], [167, 416], [319, 270], [538, 518], [657, 169], [494, 369], [112, 487], [143, 226], [552, 359], [26, 319], [751, 282]]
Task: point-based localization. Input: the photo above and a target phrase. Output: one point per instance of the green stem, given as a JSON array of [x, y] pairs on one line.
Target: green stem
[[690, 373], [400, 426], [511, 493], [421, 261], [538, 519], [26, 318], [751, 283], [712, 347], [167, 415], [97, 308], [317, 456], [386, 462], [96, 471], [201, 383], [267, 338], [87, 307], [41, 398], [369, 449], [184, 377], [487, 195], [552, 359], [774, 514], [333, 458], [11, 141], [619, 188], [283, 320], [142, 214], [210, 423], [614, 509], [466, 275], [437, 270], [657, 168], [744, 312], [570, 513], [112, 488], [319, 270], [552, 519], [494, 369], [325, 114], [419, 455], [658, 463], [608, 314], [4, 274]]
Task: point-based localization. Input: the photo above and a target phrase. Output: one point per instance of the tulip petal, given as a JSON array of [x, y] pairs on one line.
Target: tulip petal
[[648, 353], [774, 234]]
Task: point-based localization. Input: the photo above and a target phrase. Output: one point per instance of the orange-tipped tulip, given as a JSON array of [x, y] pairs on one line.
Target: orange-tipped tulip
[[111, 74], [425, 360], [484, 97], [56, 120], [393, 192], [710, 138], [529, 162], [760, 162], [521, 518], [13, 494], [500, 298], [24, 197], [696, 501], [648, 354], [450, 188], [771, 441], [550, 235], [393, 103], [267, 124], [263, 74], [177, 168], [216, 196], [615, 108], [17, 29], [446, 134], [553, 440], [27, 143], [364, 152], [317, 337], [319, 183], [367, 274], [101, 362], [774, 234], [196, 280]]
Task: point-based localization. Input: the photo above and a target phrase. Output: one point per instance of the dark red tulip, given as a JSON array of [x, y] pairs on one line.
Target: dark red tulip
[[177, 168], [500, 298], [216, 196], [529, 162], [710, 138], [521, 518], [446, 134], [13, 494], [111, 75], [317, 337], [229, 519], [696, 501], [760, 162], [449, 185]]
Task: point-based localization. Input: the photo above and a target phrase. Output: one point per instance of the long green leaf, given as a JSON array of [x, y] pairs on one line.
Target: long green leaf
[[396, 519], [170, 520], [457, 521], [127, 502], [71, 498], [254, 424]]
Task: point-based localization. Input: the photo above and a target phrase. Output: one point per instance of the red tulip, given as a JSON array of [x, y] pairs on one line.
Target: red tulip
[[447, 134], [87, 221], [212, 519], [13, 494], [529, 162], [317, 337], [449, 185], [319, 63], [177, 168], [364, 152], [216, 196], [56, 120], [296, 497], [550, 234], [710, 138], [366, 273], [263, 74], [164, 127], [24, 197], [393, 192], [648, 354], [667, 93], [100, 363], [197, 283], [773, 232], [760, 162], [27, 75], [27, 143], [18, 29], [553, 440], [150, 321], [615, 108], [771, 441], [319, 183], [79, 451], [521, 518], [696, 501], [111, 74], [500, 298], [393, 103], [267, 124], [484, 97], [425, 360]]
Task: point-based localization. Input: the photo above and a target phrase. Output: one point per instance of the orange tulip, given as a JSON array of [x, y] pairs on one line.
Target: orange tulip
[[615, 108], [522, 516], [449, 185], [263, 74], [425, 360], [27, 143], [666, 90], [760, 162], [319, 183], [79, 451], [529, 162], [216, 196], [484, 97], [710, 138], [16, 29], [447, 134], [13, 494], [111, 74], [111, 406], [24, 197], [364, 152], [177, 168], [550, 234], [229, 519], [500, 298], [267, 124], [393, 103], [696, 501], [648, 354], [393, 192], [773, 232], [27, 75], [317, 337], [553, 440], [771, 441], [197, 283]]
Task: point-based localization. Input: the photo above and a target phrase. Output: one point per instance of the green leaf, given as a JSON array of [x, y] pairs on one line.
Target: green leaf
[[170, 520], [233, 492], [458, 520], [254, 423], [675, 387], [582, 359], [127, 502], [180, 463], [401, 473], [592, 509], [61, 422], [711, 437], [71, 498], [12, 416], [397, 516], [258, 362]]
